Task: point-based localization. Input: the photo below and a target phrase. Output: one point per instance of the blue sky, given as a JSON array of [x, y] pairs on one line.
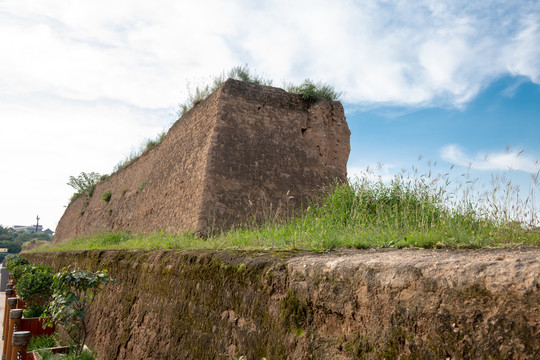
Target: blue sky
[[506, 113], [84, 83]]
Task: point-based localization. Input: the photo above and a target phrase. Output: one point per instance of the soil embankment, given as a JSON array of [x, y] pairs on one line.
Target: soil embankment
[[429, 304]]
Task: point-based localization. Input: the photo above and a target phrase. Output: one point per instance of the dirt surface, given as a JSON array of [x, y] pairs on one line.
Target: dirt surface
[[409, 304]]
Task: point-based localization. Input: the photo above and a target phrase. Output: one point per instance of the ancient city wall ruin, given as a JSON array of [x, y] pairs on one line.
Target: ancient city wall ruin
[[246, 150]]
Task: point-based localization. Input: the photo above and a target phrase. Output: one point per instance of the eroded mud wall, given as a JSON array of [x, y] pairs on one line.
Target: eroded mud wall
[[161, 190], [245, 150], [272, 153], [348, 305]]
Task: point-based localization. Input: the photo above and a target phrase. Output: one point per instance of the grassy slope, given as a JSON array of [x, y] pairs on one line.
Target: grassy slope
[[407, 212]]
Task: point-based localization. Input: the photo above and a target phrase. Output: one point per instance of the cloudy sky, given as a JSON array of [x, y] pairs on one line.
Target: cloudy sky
[[83, 83]]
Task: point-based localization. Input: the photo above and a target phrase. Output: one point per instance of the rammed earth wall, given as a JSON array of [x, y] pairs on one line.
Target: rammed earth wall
[[245, 152], [414, 304]]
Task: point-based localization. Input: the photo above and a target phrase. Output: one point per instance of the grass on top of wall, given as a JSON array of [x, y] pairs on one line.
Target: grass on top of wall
[[409, 211]]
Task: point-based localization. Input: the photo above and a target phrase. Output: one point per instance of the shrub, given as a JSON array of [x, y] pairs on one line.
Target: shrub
[[16, 267], [35, 288], [13, 261], [73, 293], [85, 184], [34, 311], [18, 271]]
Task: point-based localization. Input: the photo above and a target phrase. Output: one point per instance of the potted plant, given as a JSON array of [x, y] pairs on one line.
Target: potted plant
[[40, 342], [35, 289], [73, 294], [16, 266]]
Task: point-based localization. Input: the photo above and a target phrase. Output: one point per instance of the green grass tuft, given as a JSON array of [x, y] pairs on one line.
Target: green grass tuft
[[135, 154], [41, 342], [242, 73], [311, 91]]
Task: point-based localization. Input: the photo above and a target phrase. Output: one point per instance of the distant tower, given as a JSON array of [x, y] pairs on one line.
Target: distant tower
[[37, 223]]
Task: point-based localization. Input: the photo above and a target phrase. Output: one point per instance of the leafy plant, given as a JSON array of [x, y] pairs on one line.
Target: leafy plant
[[85, 184], [34, 311], [73, 293], [35, 288], [16, 267], [18, 271], [106, 196], [13, 261]]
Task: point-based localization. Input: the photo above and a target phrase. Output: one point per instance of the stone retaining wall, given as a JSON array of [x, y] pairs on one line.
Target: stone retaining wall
[[415, 304]]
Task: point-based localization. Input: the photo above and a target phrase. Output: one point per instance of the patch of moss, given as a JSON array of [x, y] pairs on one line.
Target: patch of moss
[[477, 291], [359, 347], [394, 344], [293, 311], [240, 267]]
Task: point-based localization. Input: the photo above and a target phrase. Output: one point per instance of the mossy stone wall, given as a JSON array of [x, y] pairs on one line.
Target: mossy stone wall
[[296, 305]]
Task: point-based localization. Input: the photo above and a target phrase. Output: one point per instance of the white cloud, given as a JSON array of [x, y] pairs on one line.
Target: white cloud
[[501, 161], [523, 53], [404, 53], [45, 140]]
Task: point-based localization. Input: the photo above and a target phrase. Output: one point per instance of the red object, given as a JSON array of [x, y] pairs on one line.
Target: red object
[[35, 326], [20, 304]]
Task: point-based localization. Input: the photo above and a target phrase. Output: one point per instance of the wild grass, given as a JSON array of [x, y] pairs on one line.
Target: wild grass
[[41, 342], [32, 244], [311, 91], [48, 355], [135, 154], [411, 210], [201, 92]]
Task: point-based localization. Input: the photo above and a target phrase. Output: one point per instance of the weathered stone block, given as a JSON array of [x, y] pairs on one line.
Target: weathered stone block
[[246, 151]]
